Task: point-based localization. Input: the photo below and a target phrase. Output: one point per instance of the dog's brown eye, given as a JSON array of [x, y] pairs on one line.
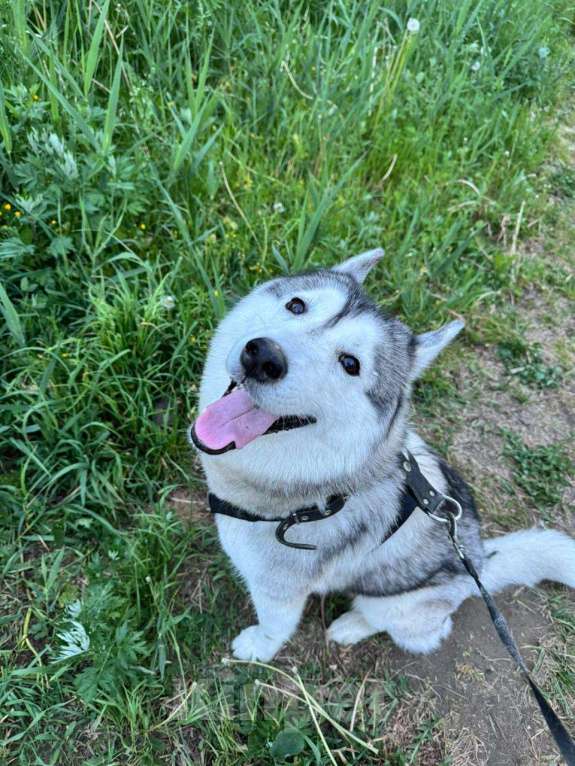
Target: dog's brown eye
[[296, 306], [349, 363]]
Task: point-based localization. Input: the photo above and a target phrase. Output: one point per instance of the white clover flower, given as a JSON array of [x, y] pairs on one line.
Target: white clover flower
[[168, 302], [543, 52], [279, 207], [413, 26], [476, 66]]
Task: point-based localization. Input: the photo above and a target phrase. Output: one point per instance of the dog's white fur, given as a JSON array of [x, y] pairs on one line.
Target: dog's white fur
[[278, 473]]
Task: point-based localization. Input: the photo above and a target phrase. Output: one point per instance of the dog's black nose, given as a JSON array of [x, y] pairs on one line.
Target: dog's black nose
[[263, 360]]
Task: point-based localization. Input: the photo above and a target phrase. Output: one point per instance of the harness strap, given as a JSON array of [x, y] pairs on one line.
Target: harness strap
[[217, 505]]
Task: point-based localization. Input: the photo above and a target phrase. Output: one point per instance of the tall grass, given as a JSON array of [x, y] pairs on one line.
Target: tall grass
[[158, 159], [189, 150]]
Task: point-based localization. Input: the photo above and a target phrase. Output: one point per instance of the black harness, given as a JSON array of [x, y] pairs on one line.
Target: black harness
[[418, 493]]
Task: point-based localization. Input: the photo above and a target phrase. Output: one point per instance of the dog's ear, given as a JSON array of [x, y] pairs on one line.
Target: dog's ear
[[359, 266], [428, 345]]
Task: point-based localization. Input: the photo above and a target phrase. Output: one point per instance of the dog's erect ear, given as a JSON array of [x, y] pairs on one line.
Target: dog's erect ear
[[359, 266], [428, 345]]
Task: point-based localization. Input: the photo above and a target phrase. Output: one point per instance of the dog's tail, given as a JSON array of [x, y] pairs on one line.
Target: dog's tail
[[527, 557]]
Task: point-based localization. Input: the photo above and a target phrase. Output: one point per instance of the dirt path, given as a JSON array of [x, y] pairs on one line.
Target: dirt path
[[488, 716]]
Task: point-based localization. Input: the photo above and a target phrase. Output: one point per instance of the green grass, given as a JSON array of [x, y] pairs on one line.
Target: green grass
[[525, 362], [542, 472], [156, 160]]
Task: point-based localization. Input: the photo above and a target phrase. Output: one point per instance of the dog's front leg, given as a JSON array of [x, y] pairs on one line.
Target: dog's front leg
[[278, 618]]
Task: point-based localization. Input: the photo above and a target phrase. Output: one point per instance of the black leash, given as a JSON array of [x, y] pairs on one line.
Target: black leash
[[431, 501]]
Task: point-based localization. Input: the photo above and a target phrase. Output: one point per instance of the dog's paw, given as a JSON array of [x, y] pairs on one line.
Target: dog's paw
[[350, 628], [253, 644], [422, 643]]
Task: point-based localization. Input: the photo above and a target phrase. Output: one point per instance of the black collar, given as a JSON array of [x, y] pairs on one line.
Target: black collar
[[333, 505], [417, 493]]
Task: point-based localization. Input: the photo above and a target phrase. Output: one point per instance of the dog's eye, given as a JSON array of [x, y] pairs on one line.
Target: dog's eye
[[296, 306], [349, 363]]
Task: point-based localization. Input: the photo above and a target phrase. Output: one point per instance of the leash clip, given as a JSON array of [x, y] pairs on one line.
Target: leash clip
[[450, 517], [451, 520]]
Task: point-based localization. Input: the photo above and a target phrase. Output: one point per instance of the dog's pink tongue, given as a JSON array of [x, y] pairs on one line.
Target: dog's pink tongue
[[233, 418]]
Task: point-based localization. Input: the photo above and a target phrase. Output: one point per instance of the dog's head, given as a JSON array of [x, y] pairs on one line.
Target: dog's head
[[307, 370]]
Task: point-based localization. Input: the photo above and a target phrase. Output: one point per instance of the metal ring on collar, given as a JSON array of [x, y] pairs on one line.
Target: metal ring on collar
[[454, 516]]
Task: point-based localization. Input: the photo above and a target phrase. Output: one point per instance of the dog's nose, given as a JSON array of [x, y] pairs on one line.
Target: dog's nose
[[263, 360]]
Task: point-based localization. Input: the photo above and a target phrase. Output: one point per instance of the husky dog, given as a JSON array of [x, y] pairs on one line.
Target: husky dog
[[321, 383]]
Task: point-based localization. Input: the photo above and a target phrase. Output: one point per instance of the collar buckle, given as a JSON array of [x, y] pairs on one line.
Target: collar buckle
[[297, 517]]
